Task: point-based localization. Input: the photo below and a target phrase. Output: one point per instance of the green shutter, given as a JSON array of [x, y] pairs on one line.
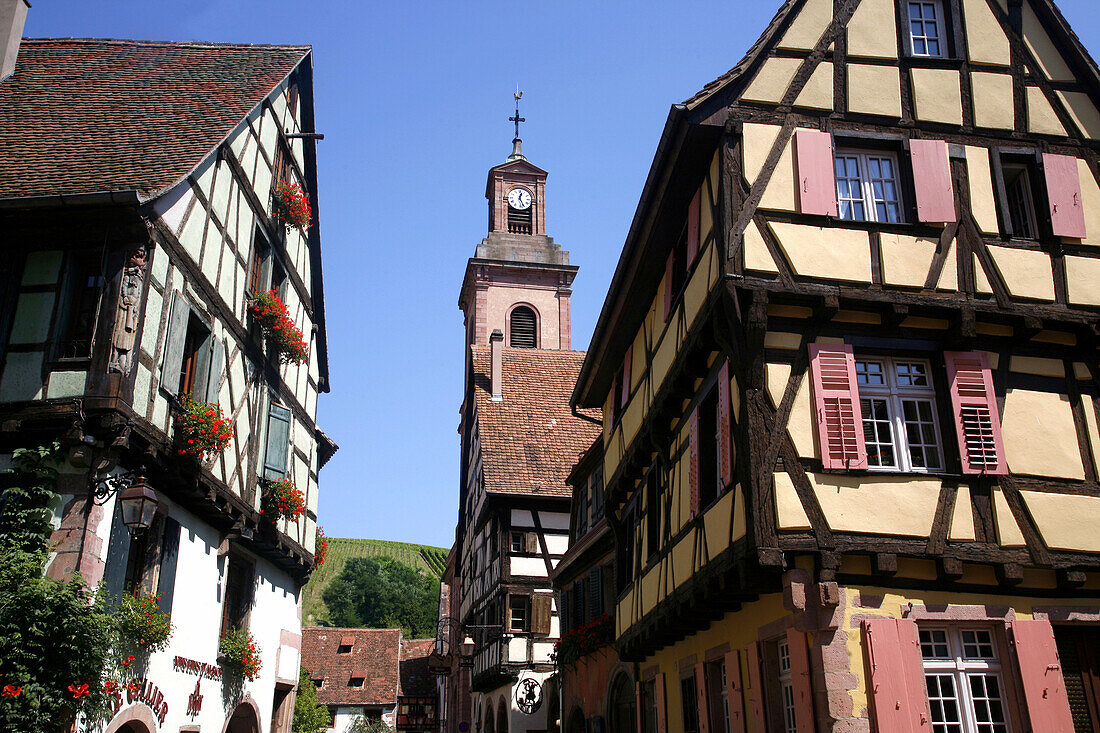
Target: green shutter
[[118, 556], [216, 370], [170, 549], [173, 344], [278, 441]]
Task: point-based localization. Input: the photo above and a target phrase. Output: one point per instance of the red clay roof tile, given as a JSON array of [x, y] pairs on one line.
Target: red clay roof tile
[[375, 656]]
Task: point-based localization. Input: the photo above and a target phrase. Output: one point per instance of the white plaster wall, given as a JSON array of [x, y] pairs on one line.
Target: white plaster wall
[[528, 566]]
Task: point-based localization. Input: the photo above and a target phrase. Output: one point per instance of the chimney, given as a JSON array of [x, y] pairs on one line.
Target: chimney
[[13, 13], [496, 367]]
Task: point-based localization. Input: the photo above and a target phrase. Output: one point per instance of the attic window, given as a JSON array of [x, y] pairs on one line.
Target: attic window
[[319, 682], [345, 645], [355, 681], [521, 328]]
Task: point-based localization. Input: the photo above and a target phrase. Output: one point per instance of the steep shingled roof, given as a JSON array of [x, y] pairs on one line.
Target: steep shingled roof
[[530, 439], [375, 656], [90, 115]]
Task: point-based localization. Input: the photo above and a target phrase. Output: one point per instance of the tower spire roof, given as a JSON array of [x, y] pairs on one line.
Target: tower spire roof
[[517, 153]]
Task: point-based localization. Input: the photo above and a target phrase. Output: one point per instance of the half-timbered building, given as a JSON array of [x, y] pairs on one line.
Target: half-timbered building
[[519, 441], [136, 202], [848, 372]]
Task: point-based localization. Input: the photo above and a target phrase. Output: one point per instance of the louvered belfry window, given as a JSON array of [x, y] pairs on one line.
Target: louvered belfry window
[[522, 329]]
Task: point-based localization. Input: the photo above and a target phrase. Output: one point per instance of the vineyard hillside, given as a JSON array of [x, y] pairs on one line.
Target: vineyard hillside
[[425, 558]]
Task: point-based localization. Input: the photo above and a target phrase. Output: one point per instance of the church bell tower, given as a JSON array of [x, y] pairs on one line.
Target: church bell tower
[[518, 281]]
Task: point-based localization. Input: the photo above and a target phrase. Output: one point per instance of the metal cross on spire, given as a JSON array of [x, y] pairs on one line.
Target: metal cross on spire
[[517, 119]]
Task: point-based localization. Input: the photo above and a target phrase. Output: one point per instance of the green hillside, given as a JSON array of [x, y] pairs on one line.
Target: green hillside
[[427, 559]]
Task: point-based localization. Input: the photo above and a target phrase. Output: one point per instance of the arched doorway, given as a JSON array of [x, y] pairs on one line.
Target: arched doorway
[[502, 716], [622, 705], [489, 727], [134, 727], [243, 720], [576, 722]]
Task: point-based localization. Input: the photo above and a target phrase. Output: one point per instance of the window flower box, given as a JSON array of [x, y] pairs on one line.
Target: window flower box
[[320, 547], [584, 640], [141, 623], [202, 431], [271, 313], [282, 500], [291, 206], [238, 654]]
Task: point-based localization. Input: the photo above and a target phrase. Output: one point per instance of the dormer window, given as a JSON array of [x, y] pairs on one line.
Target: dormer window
[[522, 328]]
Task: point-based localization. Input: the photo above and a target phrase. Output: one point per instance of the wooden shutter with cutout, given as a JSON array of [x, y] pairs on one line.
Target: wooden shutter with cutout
[[1041, 673], [816, 172], [932, 181], [974, 409], [1067, 213], [836, 402]]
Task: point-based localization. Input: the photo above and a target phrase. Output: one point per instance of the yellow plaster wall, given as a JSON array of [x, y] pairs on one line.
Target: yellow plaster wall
[[949, 275], [905, 259], [1090, 200], [1083, 112], [818, 92], [833, 253], [1037, 365], [986, 41], [801, 424], [992, 100], [780, 193], [1041, 118], [757, 141], [1008, 531], [1092, 428], [980, 176], [772, 80], [962, 518], [788, 507], [872, 30], [937, 95], [808, 25], [902, 505], [1027, 273], [874, 90], [1029, 415], [1038, 42], [1083, 280], [757, 256], [1065, 521]]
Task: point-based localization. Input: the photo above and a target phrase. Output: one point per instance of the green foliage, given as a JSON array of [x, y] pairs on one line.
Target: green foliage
[[25, 508], [380, 592], [310, 716], [55, 637], [141, 623], [430, 560]]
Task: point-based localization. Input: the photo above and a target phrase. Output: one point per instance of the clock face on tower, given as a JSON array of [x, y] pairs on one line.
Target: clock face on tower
[[519, 198]]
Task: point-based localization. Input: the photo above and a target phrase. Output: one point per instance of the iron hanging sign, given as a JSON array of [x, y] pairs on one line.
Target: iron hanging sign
[[529, 695]]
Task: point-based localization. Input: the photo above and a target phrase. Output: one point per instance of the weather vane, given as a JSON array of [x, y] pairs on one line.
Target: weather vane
[[517, 119]]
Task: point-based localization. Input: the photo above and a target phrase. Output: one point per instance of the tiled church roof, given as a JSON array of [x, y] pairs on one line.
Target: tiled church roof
[[88, 115], [531, 439]]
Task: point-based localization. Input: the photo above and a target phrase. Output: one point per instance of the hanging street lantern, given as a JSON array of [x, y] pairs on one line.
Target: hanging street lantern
[[139, 505]]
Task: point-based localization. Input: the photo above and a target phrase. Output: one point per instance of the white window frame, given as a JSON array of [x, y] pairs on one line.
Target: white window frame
[[867, 196], [524, 603], [940, 37], [786, 686], [895, 395], [957, 665]]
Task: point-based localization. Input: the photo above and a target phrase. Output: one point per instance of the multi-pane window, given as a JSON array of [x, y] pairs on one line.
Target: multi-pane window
[[81, 303], [519, 617], [898, 404], [867, 186], [962, 676], [689, 705], [718, 708], [517, 543], [1020, 200], [786, 687], [926, 28]]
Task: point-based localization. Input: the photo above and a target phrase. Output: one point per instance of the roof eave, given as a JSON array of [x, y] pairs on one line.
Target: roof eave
[[128, 197]]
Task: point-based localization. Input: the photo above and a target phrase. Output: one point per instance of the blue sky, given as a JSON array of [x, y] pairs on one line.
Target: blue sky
[[413, 99]]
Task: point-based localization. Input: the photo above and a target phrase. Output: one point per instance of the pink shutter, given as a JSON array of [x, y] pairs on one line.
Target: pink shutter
[[800, 682], [725, 447], [899, 703], [693, 229], [662, 717], [1067, 213], [816, 172], [836, 399], [1041, 672], [701, 698], [668, 282], [626, 374], [974, 407], [693, 461], [932, 180], [755, 695], [733, 692]]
